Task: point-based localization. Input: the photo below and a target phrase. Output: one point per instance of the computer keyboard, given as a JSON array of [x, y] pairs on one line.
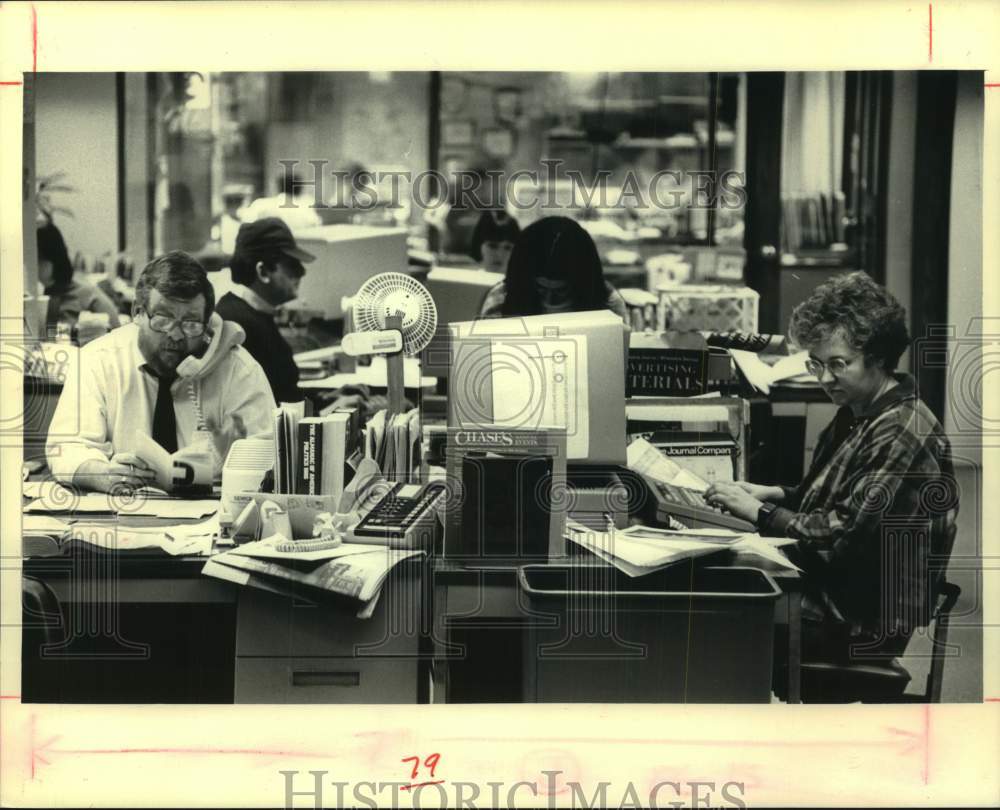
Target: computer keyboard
[[690, 506]]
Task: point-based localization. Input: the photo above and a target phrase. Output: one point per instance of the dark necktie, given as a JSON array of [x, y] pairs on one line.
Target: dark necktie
[[164, 418]]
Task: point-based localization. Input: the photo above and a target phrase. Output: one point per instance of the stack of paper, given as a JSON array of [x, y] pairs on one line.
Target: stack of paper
[[394, 446], [187, 539], [286, 423], [762, 376], [641, 550], [646, 460]]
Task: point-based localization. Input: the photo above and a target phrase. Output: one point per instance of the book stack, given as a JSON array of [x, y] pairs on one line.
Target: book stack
[[812, 221], [394, 444], [313, 455]]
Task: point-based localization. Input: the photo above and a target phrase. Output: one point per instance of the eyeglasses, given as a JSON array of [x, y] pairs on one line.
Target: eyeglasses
[[165, 324], [836, 366]]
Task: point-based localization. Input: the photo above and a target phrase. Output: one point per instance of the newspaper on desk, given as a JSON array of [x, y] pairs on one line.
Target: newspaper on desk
[[351, 569], [358, 574], [641, 550]]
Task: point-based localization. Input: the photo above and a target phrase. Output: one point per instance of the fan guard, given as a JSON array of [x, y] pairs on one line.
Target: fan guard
[[396, 293]]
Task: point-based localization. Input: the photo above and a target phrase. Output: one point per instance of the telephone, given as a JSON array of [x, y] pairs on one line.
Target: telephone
[[192, 365], [690, 508], [405, 517]]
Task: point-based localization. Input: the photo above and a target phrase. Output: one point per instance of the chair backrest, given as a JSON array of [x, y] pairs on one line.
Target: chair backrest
[[948, 594], [42, 618]]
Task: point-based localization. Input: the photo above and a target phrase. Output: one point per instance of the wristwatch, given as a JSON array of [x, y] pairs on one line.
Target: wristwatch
[[764, 514]]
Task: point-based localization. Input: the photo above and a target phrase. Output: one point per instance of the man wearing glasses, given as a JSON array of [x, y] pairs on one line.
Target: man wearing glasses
[[880, 498], [177, 372]]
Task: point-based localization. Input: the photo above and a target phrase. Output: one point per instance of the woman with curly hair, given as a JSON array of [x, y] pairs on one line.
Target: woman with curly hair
[[879, 499]]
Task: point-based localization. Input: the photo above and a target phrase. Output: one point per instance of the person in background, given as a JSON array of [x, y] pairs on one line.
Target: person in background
[[68, 297], [227, 225], [292, 204], [884, 456], [453, 218], [267, 266], [493, 240], [554, 267], [176, 373]]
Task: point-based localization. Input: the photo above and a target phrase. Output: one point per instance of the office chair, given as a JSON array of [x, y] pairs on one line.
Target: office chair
[[883, 681], [42, 624], [42, 618]]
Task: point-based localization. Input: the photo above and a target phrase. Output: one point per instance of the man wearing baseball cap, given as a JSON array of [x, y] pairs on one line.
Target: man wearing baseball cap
[[267, 265]]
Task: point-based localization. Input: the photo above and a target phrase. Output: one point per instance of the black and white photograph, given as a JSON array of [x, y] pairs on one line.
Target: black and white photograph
[[650, 392]]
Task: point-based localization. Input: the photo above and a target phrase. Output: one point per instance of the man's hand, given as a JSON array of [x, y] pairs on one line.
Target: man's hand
[[123, 470], [733, 498]]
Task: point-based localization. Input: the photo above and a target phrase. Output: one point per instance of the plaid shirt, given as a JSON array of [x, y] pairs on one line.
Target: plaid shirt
[[875, 511]]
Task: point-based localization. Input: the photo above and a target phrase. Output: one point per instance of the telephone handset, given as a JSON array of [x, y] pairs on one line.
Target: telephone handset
[[191, 365]]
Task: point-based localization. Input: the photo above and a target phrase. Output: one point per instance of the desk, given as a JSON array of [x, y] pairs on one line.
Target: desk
[[287, 650], [488, 600]]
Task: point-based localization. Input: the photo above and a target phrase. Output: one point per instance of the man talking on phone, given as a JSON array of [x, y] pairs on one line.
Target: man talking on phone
[[177, 375]]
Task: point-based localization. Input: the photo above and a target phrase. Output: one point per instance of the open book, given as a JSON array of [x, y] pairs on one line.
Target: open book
[[189, 539]]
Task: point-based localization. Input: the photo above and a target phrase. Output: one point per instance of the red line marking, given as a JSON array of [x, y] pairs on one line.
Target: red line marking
[[10, 697], [11, 84], [992, 700], [422, 784], [930, 32], [34, 40], [992, 84]]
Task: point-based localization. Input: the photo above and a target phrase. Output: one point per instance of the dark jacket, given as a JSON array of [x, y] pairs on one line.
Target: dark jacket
[[266, 345]]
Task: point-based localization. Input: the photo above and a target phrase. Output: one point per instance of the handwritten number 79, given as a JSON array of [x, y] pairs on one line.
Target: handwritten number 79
[[430, 763]]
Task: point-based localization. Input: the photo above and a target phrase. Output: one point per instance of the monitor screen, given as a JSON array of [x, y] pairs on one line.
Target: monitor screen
[[565, 370]]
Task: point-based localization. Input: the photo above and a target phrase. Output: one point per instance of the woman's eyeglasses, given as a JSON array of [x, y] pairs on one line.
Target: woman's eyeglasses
[[165, 324], [836, 366]]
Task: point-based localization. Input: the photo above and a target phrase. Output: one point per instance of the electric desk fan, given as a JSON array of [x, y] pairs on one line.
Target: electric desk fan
[[391, 314]]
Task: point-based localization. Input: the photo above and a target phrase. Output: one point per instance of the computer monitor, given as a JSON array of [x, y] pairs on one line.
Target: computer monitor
[[458, 292], [346, 257], [565, 370]]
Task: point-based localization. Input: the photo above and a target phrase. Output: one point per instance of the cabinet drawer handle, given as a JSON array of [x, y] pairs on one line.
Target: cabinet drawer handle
[[314, 678]]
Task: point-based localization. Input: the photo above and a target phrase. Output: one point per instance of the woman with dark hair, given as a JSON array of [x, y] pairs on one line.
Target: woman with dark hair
[[884, 457], [493, 240], [554, 267], [68, 298]]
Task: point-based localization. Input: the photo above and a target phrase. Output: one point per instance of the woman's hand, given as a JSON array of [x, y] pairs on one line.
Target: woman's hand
[[762, 492], [734, 499]]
